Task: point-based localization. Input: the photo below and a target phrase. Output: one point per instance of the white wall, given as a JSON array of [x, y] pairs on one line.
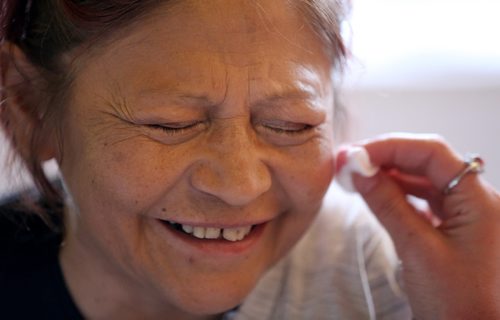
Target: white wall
[[468, 119], [12, 177], [428, 66]]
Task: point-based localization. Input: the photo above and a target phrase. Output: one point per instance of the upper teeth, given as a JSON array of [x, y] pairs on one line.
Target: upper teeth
[[231, 234]]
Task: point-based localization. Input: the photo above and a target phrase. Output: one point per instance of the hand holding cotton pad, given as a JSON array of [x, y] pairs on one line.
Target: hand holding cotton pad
[[350, 160]]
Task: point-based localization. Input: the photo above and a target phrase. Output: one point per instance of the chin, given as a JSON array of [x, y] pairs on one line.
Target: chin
[[205, 297], [214, 302]]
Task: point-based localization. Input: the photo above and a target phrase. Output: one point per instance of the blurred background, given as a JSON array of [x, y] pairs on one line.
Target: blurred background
[[428, 66]]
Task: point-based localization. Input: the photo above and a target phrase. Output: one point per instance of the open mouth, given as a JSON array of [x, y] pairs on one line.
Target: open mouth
[[210, 233]]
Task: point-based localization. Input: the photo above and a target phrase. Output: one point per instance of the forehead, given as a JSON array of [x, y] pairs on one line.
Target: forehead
[[202, 43]]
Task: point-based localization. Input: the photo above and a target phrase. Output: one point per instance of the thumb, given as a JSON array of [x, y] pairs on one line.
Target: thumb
[[389, 203]]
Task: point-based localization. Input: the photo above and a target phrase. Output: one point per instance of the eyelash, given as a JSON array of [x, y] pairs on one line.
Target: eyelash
[[286, 131], [173, 129]]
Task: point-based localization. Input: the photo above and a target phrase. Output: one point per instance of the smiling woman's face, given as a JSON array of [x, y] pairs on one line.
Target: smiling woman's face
[[210, 116]]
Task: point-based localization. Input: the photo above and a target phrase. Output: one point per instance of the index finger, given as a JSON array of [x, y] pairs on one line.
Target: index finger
[[417, 154]]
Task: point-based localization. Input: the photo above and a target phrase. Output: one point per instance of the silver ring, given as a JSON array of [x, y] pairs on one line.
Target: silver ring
[[473, 164]]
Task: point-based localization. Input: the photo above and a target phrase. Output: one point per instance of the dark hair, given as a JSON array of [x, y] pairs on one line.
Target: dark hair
[[46, 29]]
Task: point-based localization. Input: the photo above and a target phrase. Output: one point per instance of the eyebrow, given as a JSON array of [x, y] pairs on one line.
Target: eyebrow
[[289, 94], [203, 99], [169, 94]]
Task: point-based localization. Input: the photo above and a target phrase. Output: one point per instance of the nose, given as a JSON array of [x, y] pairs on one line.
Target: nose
[[233, 168]]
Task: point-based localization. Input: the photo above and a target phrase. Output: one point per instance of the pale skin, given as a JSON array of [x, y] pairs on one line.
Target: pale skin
[[204, 124]]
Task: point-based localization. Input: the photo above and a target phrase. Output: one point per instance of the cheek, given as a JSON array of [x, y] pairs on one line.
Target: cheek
[[306, 180], [114, 185], [138, 175], [304, 176], [125, 177]]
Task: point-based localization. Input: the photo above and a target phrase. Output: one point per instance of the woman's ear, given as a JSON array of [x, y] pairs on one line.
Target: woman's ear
[[22, 103]]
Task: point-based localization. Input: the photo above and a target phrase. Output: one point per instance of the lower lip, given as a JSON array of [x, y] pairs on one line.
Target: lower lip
[[217, 246]]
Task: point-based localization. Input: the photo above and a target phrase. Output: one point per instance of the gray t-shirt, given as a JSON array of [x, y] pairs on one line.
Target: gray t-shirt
[[344, 267]]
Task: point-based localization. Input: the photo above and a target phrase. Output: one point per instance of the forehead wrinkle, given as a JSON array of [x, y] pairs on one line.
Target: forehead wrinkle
[[215, 88], [203, 91], [239, 35]]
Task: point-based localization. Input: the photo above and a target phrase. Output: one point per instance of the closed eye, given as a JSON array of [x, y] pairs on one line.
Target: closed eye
[[176, 128], [287, 128]]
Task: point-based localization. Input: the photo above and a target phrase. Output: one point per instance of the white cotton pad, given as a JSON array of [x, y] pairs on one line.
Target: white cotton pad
[[354, 159]]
